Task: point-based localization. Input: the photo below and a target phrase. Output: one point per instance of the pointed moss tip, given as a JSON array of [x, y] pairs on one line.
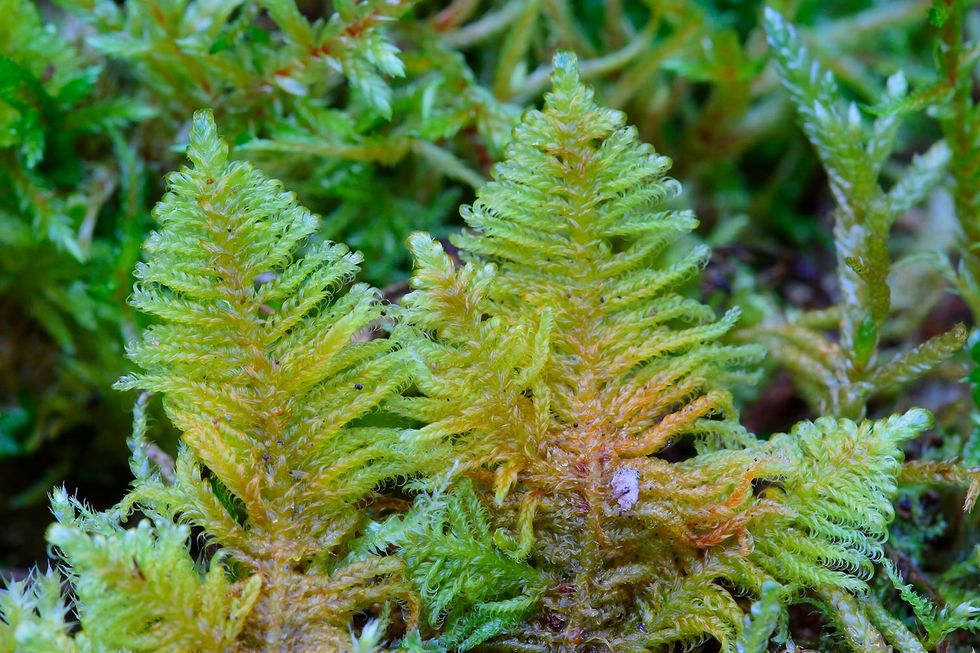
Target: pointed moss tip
[[918, 420], [776, 26], [203, 128], [565, 59], [565, 68], [420, 241], [206, 150]]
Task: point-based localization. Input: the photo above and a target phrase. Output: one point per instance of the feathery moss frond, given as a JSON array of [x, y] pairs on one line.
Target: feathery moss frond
[[839, 376], [471, 576], [938, 623], [837, 481], [139, 589], [135, 589], [563, 354], [258, 361]]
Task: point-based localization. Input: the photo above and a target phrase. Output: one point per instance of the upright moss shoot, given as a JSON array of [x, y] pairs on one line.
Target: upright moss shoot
[[256, 357], [259, 368], [563, 362]]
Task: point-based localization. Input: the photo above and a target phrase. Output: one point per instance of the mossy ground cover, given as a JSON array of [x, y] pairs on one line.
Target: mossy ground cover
[[543, 325]]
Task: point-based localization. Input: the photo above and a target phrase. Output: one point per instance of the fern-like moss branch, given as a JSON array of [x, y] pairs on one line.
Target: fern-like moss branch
[[256, 357]]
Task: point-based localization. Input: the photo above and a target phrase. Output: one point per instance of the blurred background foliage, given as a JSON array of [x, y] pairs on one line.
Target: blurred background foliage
[[384, 115]]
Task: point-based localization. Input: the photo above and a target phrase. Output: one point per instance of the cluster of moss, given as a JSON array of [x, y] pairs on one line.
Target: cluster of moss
[[539, 447]]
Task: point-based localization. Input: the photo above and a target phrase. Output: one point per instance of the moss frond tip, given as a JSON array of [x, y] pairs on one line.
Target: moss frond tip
[[565, 75], [913, 423], [207, 151]]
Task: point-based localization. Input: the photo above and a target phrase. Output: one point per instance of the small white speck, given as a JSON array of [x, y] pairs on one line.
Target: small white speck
[[626, 487]]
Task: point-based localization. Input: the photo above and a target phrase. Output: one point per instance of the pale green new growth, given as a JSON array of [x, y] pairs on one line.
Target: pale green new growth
[[840, 481], [837, 482], [139, 589], [35, 616], [136, 590]]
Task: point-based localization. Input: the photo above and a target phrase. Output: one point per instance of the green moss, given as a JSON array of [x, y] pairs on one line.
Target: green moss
[[547, 444]]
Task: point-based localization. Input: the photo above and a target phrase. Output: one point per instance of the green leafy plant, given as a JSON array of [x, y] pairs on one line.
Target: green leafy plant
[[563, 359], [839, 375], [329, 98], [256, 358], [58, 293], [474, 586], [381, 116], [547, 444]]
